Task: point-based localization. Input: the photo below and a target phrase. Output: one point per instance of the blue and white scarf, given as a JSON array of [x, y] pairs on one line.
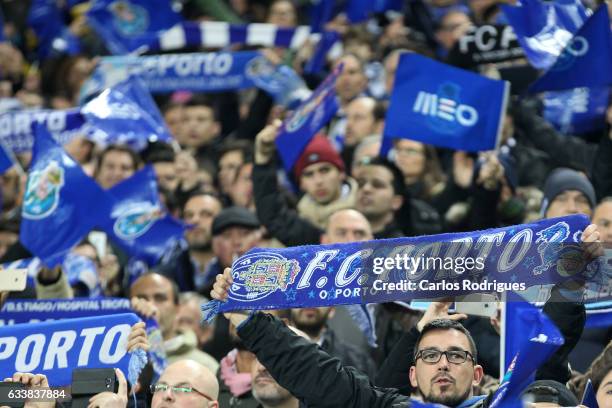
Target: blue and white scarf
[[496, 260]]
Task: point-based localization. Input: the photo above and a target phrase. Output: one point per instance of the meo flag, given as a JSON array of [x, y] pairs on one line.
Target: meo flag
[[444, 106]]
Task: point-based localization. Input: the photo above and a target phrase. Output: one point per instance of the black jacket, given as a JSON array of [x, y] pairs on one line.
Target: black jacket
[[309, 373], [349, 354]]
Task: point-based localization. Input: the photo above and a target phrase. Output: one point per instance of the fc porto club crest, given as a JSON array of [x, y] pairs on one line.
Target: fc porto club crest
[[263, 74], [42, 191], [128, 18], [135, 220], [257, 279]]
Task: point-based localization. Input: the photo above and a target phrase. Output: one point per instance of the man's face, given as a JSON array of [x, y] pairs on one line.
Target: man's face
[[157, 290], [265, 388], [282, 14], [179, 375], [453, 26], [360, 121], [371, 150], [175, 119], [347, 226], [443, 382], [603, 218], [311, 320], [352, 81], [200, 126], [116, 166], [567, 203], [234, 242], [322, 182], [604, 392], [165, 173], [200, 211], [229, 163], [375, 196], [189, 317]]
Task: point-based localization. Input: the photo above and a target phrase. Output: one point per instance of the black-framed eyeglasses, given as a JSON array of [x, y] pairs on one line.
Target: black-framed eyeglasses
[[177, 390], [432, 356]]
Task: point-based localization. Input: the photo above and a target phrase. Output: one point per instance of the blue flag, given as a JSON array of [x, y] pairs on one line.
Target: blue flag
[[404, 269], [578, 110], [314, 113], [6, 159], [543, 28], [588, 398], [16, 127], [125, 114], [358, 11], [534, 339], [53, 36], [61, 203], [55, 349], [138, 222], [586, 60], [126, 25], [444, 106], [320, 13]]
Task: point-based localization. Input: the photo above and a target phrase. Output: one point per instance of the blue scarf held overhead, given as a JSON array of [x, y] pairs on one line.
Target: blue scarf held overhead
[[495, 260]]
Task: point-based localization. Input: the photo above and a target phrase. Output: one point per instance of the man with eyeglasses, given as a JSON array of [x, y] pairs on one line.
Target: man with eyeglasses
[[444, 370], [186, 384]]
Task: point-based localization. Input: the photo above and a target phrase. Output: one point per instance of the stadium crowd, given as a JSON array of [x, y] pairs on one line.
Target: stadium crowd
[[221, 176]]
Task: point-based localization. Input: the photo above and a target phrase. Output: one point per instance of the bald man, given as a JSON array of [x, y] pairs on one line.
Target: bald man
[[154, 295], [186, 384], [343, 226], [361, 120]]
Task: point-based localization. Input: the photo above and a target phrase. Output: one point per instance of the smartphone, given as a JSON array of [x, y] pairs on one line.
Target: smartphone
[[13, 280], [477, 305], [87, 382], [9, 399]]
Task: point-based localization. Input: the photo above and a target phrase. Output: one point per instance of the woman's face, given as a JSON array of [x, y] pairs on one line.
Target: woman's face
[[410, 157], [604, 393]]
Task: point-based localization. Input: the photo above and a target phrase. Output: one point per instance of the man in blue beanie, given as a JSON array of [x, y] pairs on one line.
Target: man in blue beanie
[[566, 192]]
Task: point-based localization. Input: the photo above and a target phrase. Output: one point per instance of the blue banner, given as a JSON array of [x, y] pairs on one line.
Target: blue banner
[[586, 60], [126, 25], [491, 261], [16, 127], [33, 311], [125, 114], [17, 311], [534, 339], [138, 221], [444, 106], [55, 349], [314, 113], [577, 111], [197, 72], [543, 28], [61, 203]]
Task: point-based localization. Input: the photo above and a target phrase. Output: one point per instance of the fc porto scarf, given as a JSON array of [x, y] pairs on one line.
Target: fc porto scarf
[[495, 260]]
